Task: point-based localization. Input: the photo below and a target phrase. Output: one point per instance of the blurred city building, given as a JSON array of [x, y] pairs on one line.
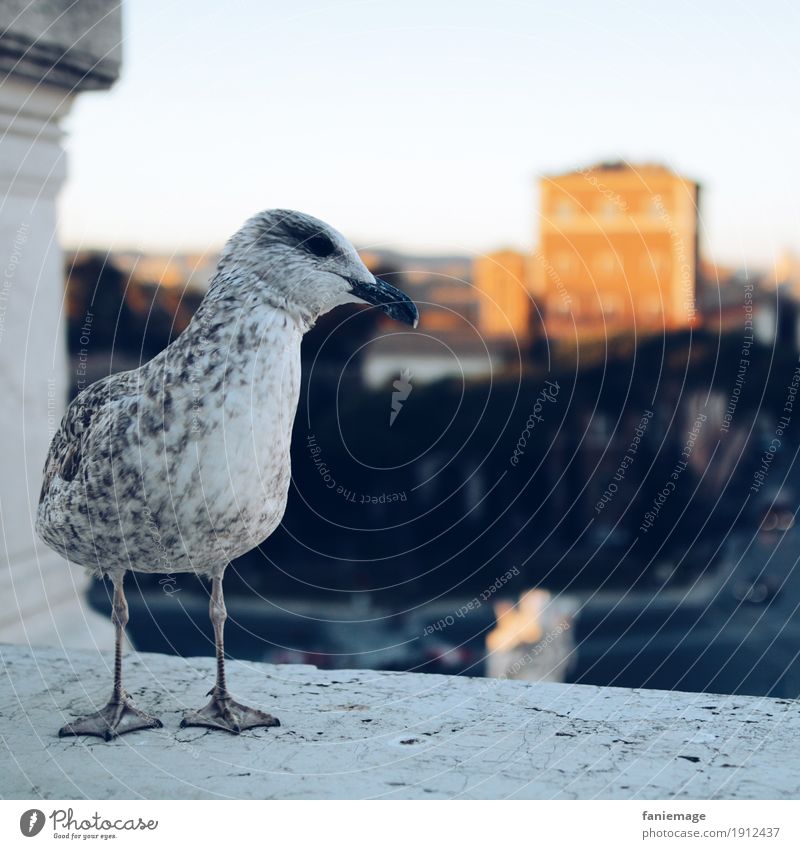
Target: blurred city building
[[502, 279], [456, 336], [181, 271], [618, 251], [121, 311], [787, 272], [721, 294]]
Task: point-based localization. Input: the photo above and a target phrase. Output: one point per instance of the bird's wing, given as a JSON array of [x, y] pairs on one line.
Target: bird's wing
[[66, 449]]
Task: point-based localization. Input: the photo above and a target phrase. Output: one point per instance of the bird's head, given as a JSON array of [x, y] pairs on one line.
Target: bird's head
[[302, 265]]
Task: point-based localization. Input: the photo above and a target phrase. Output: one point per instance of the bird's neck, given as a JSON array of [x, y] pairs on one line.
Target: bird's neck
[[227, 334], [245, 289]]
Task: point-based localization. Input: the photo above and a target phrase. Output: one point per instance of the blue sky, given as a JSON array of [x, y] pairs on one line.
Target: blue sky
[[423, 125]]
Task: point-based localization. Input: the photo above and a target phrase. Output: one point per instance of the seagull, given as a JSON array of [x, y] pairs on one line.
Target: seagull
[[183, 464]]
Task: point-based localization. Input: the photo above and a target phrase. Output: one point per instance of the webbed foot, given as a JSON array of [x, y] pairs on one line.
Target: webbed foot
[[119, 716], [226, 714]]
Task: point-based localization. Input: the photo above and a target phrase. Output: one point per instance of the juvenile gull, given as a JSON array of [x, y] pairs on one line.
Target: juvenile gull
[[183, 464]]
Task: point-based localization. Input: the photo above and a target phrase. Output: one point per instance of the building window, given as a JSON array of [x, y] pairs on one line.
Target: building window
[[606, 263], [655, 263], [565, 210], [564, 263], [609, 210], [656, 209], [612, 306]]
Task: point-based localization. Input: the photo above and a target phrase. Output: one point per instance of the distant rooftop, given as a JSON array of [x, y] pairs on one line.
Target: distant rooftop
[[623, 165], [615, 165]]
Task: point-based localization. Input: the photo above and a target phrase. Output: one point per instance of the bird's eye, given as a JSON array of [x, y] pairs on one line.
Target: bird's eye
[[319, 245], [304, 236]]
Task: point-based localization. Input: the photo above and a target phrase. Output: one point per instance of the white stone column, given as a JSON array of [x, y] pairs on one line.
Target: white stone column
[[49, 53]]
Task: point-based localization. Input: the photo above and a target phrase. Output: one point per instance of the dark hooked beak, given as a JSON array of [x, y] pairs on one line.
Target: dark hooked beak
[[393, 302]]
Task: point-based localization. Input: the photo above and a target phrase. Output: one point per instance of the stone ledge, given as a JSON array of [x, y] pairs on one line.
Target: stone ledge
[[359, 734]]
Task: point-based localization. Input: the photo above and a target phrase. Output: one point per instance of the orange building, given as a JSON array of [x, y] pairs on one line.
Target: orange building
[[501, 280], [617, 250]]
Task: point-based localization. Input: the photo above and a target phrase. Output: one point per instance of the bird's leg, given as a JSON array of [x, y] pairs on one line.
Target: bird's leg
[[119, 716], [222, 711]]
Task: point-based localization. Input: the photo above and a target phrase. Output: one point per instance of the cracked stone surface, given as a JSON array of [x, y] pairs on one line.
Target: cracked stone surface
[[362, 734]]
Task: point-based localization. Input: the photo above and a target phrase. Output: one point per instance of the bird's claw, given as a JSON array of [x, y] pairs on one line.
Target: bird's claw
[[224, 713], [119, 716]]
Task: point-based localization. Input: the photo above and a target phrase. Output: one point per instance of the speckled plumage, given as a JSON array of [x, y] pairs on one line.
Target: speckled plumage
[[182, 464]]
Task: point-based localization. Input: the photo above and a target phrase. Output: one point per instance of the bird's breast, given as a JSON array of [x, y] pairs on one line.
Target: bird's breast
[[242, 440]]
